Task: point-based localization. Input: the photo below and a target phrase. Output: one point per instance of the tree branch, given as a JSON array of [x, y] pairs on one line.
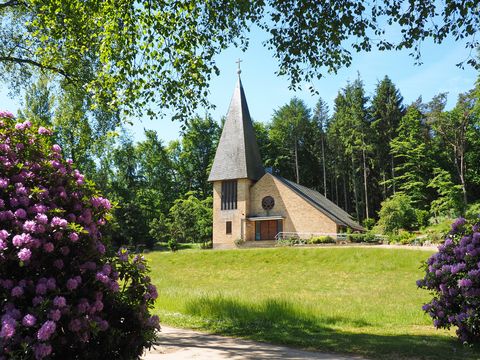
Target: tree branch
[[11, 3], [37, 64]]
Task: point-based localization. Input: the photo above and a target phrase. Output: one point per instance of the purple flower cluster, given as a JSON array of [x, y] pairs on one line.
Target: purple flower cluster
[[58, 289], [453, 275], [6, 114]]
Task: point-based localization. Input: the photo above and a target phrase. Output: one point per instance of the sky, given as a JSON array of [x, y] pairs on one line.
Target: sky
[[266, 92]]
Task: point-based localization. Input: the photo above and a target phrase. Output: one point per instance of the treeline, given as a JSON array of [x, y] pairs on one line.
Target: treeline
[[364, 152], [372, 148], [161, 191]]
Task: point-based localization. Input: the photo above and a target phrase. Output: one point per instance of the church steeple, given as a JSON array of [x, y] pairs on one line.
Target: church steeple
[[237, 155]]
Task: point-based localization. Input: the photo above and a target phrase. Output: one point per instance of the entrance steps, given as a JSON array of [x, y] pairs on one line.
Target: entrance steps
[[259, 244]]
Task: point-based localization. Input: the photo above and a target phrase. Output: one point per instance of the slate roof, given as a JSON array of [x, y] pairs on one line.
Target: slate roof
[[330, 209], [237, 155]]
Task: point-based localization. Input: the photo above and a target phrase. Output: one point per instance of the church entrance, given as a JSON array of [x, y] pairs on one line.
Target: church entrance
[[267, 229]]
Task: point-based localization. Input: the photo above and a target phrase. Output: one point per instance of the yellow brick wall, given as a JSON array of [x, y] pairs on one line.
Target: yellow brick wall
[[237, 217], [299, 215]]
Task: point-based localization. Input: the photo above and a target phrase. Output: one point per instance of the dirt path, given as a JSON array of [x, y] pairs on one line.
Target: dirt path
[[181, 344]]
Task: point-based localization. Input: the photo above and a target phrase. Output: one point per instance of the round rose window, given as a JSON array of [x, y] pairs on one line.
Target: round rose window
[[268, 203]]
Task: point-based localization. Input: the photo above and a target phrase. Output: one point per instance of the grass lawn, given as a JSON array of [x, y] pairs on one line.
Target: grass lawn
[[347, 300]]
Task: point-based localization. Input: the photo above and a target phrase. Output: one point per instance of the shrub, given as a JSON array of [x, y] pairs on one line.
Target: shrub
[[356, 238], [472, 211], [403, 238], [172, 245], [190, 219], [422, 217], [397, 213], [59, 289], [290, 241], [453, 276], [321, 240], [206, 245], [370, 237], [369, 223]]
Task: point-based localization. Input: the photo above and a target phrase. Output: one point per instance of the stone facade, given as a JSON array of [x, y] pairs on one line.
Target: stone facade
[[298, 215]]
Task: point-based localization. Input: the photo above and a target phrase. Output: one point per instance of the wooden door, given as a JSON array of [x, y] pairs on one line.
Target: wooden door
[[268, 229]]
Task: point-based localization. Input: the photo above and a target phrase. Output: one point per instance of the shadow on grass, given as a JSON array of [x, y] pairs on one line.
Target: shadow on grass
[[279, 322]]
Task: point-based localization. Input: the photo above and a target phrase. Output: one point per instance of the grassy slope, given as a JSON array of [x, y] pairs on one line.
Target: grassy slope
[[355, 300]]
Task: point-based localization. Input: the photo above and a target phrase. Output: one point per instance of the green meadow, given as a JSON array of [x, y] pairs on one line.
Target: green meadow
[[347, 300]]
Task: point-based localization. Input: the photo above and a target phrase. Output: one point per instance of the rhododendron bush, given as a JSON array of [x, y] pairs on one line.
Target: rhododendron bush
[[62, 296], [453, 276]]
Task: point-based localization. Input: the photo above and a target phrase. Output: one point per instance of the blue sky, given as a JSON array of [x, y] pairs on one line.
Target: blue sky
[[266, 92]]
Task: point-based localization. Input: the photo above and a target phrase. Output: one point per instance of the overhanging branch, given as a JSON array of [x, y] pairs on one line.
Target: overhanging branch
[[36, 64], [11, 3]]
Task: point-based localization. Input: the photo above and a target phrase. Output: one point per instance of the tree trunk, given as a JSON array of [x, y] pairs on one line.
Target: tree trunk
[[460, 156], [324, 172], [384, 186], [336, 188], [297, 172], [365, 183], [72, 146], [355, 192], [345, 197], [332, 186], [462, 177], [392, 164]]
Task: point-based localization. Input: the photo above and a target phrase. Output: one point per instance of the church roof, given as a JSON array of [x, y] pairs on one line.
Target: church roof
[[334, 212], [237, 155]]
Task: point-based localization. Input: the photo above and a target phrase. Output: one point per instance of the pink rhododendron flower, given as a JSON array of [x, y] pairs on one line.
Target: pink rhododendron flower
[[6, 114], [42, 350], [59, 302], [48, 247], [56, 148], [17, 291], [20, 214], [47, 330], [4, 234], [8, 327], [59, 222], [73, 237], [44, 131], [29, 320], [24, 254]]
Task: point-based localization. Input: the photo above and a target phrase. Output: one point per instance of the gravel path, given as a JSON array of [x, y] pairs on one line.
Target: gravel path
[[181, 344]]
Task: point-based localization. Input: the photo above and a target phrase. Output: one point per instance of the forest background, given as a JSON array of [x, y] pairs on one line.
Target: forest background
[[396, 168]]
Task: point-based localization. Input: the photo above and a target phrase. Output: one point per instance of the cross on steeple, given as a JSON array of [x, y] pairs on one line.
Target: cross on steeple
[[238, 69]]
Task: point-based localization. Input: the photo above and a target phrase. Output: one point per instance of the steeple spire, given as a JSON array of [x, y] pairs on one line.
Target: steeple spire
[[237, 155]]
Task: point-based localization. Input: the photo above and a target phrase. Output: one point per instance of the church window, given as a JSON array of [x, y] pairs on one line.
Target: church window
[[229, 195], [228, 227], [268, 203]]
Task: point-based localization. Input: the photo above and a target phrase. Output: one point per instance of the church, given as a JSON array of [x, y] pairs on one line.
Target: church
[[251, 204]]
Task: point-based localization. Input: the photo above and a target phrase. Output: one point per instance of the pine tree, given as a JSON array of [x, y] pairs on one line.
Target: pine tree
[[352, 129], [321, 119], [412, 158], [386, 111], [288, 132]]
